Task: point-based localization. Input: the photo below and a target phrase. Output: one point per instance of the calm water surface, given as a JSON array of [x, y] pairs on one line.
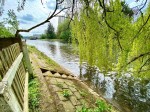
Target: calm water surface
[[125, 92]]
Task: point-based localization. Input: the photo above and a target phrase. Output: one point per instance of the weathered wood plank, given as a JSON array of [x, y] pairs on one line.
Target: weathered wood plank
[[12, 71], [10, 54], [6, 57], [17, 93], [19, 83], [5, 66], [26, 93], [15, 53], [13, 50], [2, 70], [21, 77], [9, 96], [4, 107]]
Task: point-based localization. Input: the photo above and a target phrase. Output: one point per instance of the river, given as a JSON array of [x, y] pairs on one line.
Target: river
[[125, 92]]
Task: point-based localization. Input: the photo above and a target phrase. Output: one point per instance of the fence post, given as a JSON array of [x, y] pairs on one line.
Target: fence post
[[27, 60]]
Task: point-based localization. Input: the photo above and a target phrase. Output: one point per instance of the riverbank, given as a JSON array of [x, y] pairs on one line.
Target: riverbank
[[59, 90], [53, 40]]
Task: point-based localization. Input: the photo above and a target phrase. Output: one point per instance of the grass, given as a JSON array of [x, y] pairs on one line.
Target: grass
[[53, 64], [66, 93], [34, 95], [83, 93], [101, 106]]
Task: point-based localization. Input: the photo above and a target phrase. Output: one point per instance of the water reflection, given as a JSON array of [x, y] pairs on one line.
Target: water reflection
[[127, 93], [132, 95]]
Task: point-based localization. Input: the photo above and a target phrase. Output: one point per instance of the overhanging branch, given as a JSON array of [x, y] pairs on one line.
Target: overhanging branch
[[47, 20], [135, 58]]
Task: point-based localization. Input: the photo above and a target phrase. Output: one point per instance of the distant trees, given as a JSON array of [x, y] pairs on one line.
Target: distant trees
[[49, 33], [63, 31], [126, 9]]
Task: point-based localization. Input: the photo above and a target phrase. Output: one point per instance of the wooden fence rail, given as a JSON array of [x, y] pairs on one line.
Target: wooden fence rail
[[13, 80]]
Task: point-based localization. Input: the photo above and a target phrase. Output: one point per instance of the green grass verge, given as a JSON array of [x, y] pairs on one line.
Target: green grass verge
[[42, 56], [34, 95]]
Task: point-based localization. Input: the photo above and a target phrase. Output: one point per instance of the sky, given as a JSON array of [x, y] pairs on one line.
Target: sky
[[34, 12]]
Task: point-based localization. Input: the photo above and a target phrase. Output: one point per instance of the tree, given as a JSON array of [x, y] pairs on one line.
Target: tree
[[12, 25], [4, 32], [63, 31], [12, 21], [50, 31], [111, 39], [126, 10]]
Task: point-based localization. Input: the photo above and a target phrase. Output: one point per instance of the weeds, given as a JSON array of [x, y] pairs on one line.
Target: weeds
[[84, 109], [82, 93], [34, 95], [101, 106], [66, 93]]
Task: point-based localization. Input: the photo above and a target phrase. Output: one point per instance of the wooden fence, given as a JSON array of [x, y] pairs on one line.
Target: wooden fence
[[13, 80]]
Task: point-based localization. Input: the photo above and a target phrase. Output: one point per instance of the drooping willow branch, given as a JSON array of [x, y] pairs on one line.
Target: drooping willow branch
[[137, 34], [148, 60], [102, 5]]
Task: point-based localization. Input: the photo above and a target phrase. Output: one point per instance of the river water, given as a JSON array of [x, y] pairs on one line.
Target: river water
[[125, 92]]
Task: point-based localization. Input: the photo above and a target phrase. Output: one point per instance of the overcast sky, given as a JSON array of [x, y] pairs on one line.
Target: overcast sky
[[34, 12]]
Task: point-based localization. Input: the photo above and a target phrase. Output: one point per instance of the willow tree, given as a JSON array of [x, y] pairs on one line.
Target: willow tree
[[110, 38]]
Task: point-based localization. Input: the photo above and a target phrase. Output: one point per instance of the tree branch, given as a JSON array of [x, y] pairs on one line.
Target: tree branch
[[135, 58], [47, 20], [102, 4], [144, 65], [137, 34]]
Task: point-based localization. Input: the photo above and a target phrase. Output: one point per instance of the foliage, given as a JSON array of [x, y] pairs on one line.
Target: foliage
[[43, 36], [12, 21], [112, 40], [34, 94], [50, 33], [101, 106], [66, 93], [63, 31], [84, 109], [126, 10], [83, 93], [4, 32]]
